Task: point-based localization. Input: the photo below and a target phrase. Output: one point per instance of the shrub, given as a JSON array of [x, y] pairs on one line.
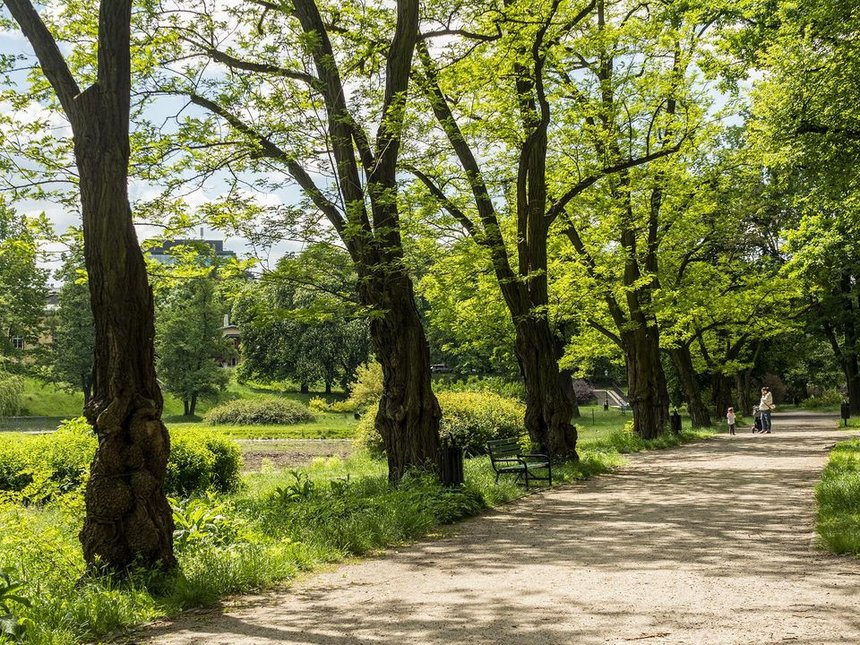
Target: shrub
[[469, 419], [365, 392], [318, 404], [267, 410], [11, 393], [200, 461], [826, 399], [583, 391], [40, 466], [495, 384]]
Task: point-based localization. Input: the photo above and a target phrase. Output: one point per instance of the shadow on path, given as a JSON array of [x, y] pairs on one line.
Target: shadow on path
[[709, 543]]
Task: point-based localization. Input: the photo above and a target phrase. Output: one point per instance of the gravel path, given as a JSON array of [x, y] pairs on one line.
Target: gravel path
[[710, 543]]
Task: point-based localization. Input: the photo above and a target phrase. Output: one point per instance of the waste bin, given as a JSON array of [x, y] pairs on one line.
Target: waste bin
[[451, 466], [675, 422], [846, 413]]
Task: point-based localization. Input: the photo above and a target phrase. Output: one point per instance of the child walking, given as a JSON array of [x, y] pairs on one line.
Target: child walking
[[730, 417]]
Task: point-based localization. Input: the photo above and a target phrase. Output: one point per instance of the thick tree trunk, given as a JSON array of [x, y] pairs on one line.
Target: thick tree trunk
[[192, 405], [304, 388], [548, 406], [186, 408], [566, 377], [328, 387], [646, 382], [743, 385], [722, 394], [128, 520], [683, 362], [409, 414]]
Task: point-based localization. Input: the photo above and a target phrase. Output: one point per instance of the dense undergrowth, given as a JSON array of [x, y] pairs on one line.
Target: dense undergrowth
[[276, 526], [838, 497]]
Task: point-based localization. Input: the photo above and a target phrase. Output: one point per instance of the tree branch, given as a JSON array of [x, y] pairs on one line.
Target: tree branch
[[50, 59]]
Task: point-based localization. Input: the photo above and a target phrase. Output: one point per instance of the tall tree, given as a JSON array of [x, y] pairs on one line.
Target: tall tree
[[23, 288], [302, 321], [189, 341], [128, 520], [309, 56], [555, 113]]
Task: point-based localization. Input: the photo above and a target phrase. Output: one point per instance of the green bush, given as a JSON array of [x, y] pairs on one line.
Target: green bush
[[267, 410], [838, 497], [11, 395], [495, 384], [827, 399], [200, 461], [41, 466], [469, 419], [365, 392]]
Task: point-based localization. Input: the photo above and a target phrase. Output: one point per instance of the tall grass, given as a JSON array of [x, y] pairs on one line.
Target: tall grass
[[838, 497]]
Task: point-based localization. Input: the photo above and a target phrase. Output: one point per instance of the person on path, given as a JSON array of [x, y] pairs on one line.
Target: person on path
[[766, 406], [730, 418]]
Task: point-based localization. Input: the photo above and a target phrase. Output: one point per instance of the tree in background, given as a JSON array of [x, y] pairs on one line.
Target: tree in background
[[189, 342], [302, 322], [23, 290], [73, 331]]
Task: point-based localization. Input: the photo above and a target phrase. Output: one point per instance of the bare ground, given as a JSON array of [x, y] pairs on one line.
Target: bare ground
[[710, 543], [291, 453]]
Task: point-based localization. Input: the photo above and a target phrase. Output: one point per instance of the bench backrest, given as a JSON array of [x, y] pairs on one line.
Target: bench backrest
[[503, 448]]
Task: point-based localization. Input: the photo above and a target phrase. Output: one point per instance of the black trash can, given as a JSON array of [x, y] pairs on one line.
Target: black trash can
[[451, 466], [675, 422], [846, 413]]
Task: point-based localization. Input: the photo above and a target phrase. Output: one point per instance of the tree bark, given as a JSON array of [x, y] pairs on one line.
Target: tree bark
[[548, 406], [722, 394], [192, 405], [683, 361], [408, 415], [646, 382], [128, 520], [304, 388]]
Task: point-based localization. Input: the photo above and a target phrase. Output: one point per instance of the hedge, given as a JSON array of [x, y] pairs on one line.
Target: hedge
[[268, 410]]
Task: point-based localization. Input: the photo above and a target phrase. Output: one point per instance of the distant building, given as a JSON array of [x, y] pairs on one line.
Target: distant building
[[161, 253], [232, 333]]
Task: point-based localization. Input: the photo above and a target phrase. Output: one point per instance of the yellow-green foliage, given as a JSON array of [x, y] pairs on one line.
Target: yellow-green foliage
[[365, 392], [201, 461], [838, 496], [39, 467], [469, 420]]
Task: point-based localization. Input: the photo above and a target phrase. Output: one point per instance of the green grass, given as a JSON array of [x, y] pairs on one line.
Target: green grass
[[838, 497]]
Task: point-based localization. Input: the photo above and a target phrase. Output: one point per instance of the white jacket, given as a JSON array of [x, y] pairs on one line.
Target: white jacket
[[766, 403]]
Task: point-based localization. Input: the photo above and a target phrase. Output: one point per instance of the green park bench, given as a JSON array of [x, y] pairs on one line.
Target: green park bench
[[506, 459]]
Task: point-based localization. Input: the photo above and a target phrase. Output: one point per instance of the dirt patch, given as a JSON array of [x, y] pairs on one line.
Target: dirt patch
[[291, 453], [709, 543]]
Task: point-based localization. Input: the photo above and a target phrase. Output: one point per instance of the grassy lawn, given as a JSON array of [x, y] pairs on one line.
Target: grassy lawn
[[838, 497]]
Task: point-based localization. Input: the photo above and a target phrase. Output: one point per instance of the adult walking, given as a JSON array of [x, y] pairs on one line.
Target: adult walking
[[766, 406]]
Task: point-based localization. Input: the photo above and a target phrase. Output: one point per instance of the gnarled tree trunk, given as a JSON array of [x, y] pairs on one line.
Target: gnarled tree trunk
[[548, 406], [408, 415], [646, 382], [128, 520]]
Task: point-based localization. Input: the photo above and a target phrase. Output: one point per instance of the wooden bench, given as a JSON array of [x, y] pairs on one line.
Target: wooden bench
[[506, 459]]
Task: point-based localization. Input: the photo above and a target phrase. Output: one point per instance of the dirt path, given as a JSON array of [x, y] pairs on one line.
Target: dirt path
[[708, 544]]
